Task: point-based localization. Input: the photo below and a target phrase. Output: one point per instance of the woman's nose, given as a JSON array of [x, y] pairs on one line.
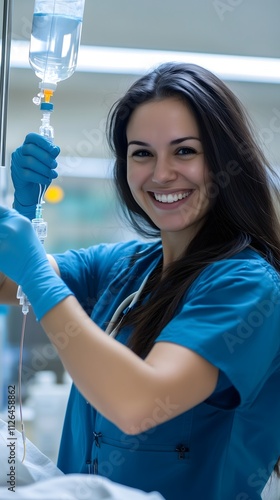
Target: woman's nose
[[163, 171]]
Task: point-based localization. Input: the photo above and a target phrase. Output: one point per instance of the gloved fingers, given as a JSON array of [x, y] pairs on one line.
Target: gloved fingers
[[24, 260], [30, 152], [42, 143], [38, 162], [33, 164], [31, 167], [18, 245]]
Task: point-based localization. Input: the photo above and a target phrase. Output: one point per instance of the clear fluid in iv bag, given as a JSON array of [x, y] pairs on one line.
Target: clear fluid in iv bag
[[54, 46]]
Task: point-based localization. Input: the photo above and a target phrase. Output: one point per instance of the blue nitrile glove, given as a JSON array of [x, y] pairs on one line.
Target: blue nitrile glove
[[32, 164], [23, 259]]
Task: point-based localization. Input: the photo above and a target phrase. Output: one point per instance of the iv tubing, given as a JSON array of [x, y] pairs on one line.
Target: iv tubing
[[19, 386], [42, 191], [39, 210], [25, 308], [5, 71]]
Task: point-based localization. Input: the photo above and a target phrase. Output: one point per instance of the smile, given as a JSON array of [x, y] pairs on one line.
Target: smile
[[171, 198]]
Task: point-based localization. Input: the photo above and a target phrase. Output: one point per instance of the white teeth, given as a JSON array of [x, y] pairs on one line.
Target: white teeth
[[170, 198]]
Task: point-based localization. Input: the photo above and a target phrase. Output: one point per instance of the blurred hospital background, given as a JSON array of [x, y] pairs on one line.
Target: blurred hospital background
[[81, 208]]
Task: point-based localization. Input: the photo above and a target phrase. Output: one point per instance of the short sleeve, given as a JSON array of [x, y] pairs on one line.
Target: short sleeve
[[231, 317], [87, 272]]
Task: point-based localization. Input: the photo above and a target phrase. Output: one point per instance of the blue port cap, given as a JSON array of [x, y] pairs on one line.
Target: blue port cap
[[47, 106]]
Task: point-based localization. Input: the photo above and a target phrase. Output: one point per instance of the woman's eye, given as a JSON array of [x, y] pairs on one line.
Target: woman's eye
[[141, 153], [186, 151]]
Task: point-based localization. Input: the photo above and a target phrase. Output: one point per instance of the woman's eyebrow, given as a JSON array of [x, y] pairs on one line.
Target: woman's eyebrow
[[175, 141], [138, 143], [182, 139]]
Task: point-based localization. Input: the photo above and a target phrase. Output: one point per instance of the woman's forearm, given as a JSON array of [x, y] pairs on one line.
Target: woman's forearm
[[111, 377], [134, 394]]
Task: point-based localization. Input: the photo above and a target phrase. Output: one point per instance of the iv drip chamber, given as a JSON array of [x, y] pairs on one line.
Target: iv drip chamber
[[55, 39], [46, 129]]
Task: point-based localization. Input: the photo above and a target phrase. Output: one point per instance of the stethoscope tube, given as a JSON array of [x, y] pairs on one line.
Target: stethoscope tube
[[127, 302]]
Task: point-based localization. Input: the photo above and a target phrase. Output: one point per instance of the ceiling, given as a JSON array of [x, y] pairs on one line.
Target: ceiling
[[239, 27]]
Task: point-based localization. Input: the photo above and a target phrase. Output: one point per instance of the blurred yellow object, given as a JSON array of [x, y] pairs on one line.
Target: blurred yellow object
[[54, 194]]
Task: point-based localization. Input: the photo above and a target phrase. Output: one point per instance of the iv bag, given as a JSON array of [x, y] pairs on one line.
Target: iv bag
[[55, 39]]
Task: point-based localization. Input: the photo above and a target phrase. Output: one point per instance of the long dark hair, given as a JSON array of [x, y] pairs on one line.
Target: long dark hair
[[242, 211]]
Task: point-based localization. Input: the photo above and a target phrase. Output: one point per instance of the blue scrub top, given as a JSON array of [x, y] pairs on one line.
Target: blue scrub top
[[222, 449]]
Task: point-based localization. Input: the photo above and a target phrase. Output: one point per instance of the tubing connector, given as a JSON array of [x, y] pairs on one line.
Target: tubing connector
[[39, 225], [47, 86], [46, 92], [23, 301], [47, 95]]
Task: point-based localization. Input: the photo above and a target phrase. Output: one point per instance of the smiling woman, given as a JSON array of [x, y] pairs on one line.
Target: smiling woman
[[191, 366], [166, 171]]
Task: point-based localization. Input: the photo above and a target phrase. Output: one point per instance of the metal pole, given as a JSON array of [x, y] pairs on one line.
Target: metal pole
[[4, 87]]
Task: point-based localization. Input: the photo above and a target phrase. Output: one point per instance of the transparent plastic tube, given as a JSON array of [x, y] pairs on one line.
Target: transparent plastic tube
[[46, 129]]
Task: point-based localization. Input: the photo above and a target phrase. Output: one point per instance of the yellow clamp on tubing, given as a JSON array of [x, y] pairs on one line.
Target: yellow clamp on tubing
[[47, 95]]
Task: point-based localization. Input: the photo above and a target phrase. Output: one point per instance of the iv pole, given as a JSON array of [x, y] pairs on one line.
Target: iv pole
[[4, 86], [4, 91]]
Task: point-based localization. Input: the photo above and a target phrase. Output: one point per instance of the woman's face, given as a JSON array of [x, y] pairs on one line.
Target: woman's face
[[166, 169]]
